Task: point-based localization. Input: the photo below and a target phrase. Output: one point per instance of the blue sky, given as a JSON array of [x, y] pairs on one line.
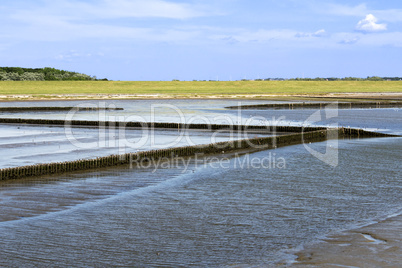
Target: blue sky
[[204, 39]]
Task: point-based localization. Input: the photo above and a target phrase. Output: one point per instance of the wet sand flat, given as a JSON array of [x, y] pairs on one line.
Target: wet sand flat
[[376, 245]]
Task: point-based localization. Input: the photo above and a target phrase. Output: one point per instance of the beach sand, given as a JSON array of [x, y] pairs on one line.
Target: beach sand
[[376, 245]]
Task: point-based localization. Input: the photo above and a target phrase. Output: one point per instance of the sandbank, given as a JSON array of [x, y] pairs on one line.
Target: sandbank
[[375, 245]]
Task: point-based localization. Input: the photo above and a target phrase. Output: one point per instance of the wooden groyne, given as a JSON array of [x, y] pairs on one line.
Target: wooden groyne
[[322, 105], [46, 109], [361, 133], [161, 125], [188, 151]]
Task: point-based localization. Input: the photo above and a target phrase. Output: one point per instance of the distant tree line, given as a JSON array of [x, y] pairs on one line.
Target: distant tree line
[[42, 74]]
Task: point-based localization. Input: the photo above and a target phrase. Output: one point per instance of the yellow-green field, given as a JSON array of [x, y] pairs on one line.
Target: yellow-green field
[[44, 89]]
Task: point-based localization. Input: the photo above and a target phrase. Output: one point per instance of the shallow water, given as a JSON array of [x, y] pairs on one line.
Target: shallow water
[[134, 110], [30, 144], [213, 112], [202, 216], [245, 211], [379, 120]]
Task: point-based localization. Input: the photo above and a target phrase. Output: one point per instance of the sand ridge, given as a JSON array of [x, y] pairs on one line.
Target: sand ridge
[[375, 245]]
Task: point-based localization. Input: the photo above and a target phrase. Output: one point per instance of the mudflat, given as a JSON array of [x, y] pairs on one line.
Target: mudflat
[[376, 245]]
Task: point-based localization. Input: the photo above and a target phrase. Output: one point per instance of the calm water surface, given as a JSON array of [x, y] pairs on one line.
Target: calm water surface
[[213, 111], [22, 145], [204, 215]]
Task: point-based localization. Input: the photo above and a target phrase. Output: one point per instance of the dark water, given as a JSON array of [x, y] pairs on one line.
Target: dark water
[[243, 211]]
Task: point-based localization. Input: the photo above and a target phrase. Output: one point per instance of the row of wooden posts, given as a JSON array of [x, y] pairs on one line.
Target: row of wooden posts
[[47, 108], [312, 105], [188, 151], [162, 125]]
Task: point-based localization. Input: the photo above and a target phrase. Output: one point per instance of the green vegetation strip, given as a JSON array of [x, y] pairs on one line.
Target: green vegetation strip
[[309, 105], [40, 74], [189, 151], [192, 88]]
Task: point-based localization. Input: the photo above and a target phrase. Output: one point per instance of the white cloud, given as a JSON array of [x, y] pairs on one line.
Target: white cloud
[[279, 38], [73, 54], [114, 9], [369, 24], [319, 33], [230, 40], [65, 13], [349, 41], [378, 39], [389, 15], [71, 19], [262, 35]]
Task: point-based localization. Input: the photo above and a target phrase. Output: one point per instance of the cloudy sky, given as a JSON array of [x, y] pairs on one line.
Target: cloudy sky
[[204, 39]]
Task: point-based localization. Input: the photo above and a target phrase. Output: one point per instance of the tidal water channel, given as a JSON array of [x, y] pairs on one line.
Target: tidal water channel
[[251, 210]]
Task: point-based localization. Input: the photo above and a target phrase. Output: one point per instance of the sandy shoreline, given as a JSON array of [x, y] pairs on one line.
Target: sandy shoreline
[[330, 96], [376, 245]]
